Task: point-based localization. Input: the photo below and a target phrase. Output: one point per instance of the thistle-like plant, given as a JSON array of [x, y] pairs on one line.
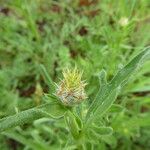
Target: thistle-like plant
[[70, 91]]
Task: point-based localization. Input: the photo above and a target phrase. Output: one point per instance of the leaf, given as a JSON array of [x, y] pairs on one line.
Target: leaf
[[79, 121], [94, 134], [25, 141], [72, 124], [92, 137], [104, 105], [102, 93], [102, 78], [115, 108], [110, 140], [47, 78], [53, 110], [100, 104], [123, 75], [102, 130]]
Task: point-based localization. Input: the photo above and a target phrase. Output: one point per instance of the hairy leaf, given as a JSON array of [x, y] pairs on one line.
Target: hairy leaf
[[104, 98]]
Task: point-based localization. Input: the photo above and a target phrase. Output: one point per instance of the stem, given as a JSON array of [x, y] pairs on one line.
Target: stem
[[20, 118], [25, 117]]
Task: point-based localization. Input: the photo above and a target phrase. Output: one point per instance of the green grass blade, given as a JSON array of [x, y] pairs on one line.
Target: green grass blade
[[47, 78]]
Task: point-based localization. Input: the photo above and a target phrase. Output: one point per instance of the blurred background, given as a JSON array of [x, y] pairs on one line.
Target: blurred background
[[91, 34]]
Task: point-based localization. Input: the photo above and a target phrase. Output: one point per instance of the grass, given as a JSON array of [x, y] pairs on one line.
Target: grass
[[99, 36]]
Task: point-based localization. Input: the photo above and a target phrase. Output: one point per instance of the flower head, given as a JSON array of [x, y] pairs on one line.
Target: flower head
[[71, 88], [123, 21]]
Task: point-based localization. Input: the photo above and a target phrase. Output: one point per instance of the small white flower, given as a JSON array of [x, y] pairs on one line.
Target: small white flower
[[124, 21]]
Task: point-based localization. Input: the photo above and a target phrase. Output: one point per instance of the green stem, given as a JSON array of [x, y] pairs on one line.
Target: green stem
[[20, 118], [25, 117]]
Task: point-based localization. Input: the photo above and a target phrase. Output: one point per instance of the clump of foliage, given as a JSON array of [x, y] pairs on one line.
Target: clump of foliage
[[107, 41], [84, 128]]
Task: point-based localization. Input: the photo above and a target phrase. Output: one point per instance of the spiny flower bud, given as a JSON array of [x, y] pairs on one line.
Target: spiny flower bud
[[71, 88]]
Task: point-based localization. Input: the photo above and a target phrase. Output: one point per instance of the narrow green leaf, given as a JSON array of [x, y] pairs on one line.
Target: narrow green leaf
[[72, 124], [94, 135], [102, 130], [47, 78], [104, 105], [79, 121], [33, 145], [110, 140], [115, 108], [123, 75], [102, 93], [102, 78], [107, 103], [99, 104]]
